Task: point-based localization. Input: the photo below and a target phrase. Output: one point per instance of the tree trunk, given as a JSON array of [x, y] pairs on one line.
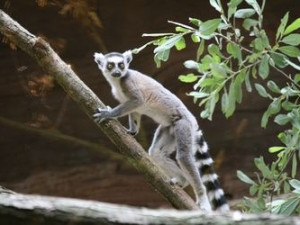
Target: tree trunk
[[44, 55], [34, 209]]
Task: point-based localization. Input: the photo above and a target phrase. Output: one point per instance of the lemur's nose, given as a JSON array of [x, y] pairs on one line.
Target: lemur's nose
[[116, 74]]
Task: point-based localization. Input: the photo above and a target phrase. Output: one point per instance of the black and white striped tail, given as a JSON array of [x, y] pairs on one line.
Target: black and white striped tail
[[209, 177]]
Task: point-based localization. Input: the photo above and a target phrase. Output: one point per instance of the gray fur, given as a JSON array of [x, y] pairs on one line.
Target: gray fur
[[178, 129]]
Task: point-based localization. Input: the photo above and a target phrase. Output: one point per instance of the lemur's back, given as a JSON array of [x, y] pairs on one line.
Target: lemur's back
[[161, 104]]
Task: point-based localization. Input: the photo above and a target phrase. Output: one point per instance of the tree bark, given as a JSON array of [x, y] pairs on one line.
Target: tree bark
[[44, 55], [34, 209]]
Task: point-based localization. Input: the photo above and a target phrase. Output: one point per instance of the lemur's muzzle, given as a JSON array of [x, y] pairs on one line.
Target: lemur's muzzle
[[116, 74]]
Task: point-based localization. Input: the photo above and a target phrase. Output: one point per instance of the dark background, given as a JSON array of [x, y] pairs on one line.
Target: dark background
[[32, 163]]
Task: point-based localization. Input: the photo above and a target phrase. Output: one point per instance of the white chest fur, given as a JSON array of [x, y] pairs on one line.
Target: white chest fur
[[117, 91]]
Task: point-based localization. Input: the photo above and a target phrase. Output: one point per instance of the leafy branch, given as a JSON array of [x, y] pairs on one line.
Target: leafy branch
[[231, 58]]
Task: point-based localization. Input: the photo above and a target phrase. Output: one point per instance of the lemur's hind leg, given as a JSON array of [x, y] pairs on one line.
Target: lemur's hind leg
[[134, 121], [161, 150], [185, 144]]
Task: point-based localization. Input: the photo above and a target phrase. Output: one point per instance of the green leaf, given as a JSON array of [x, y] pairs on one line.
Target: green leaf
[[244, 13], [224, 102], [261, 203], [288, 106], [297, 78], [288, 91], [253, 71], [260, 164], [188, 78], [238, 81], [243, 177], [273, 108], [208, 82], [200, 49], [286, 187], [294, 166], [295, 184], [195, 21], [253, 190], [234, 50], [261, 90], [282, 119], [292, 39], [234, 3], [279, 59], [206, 61], [265, 119], [169, 43], [208, 27], [191, 64], [231, 11], [232, 6], [211, 104], [273, 87], [276, 204], [248, 23], [181, 29], [276, 149], [265, 39], [231, 101], [205, 114], [197, 94], [258, 44], [255, 5], [282, 26], [293, 26], [157, 61], [213, 49], [161, 56], [289, 206], [195, 38], [291, 51], [180, 44], [263, 69], [216, 4], [247, 82], [218, 70], [160, 41]]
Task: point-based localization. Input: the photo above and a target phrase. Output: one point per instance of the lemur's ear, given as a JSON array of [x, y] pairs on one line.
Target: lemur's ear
[[128, 56], [99, 59]]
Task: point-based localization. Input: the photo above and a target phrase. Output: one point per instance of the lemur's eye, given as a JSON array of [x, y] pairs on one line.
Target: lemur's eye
[[110, 66], [121, 66]]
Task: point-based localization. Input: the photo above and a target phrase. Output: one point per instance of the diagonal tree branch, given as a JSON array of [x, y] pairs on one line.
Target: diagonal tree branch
[[44, 55]]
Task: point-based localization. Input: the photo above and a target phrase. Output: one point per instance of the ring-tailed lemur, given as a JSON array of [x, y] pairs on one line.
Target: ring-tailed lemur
[[177, 135]]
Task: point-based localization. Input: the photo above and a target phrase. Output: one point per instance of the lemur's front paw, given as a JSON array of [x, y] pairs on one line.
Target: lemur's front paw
[[102, 114]]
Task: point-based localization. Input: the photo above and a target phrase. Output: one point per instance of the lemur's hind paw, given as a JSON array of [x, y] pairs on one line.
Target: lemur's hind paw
[[176, 181], [133, 133], [204, 203]]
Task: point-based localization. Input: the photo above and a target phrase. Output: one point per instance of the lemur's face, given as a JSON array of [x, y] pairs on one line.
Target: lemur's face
[[113, 64]]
